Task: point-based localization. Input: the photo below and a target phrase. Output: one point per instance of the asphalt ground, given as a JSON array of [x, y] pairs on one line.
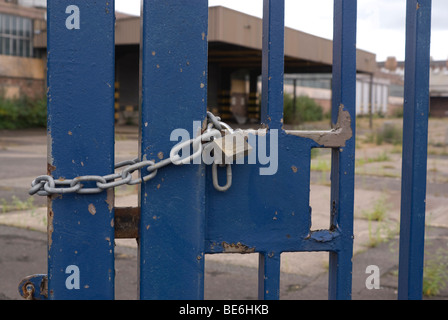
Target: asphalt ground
[[23, 244]]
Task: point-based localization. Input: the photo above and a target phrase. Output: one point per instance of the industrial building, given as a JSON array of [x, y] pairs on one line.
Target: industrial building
[[438, 84], [22, 70], [235, 54]]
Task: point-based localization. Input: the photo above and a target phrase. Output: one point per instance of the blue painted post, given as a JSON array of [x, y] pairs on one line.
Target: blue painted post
[[269, 276], [80, 142], [174, 87], [273, 62], [415, 144], [343, 159]]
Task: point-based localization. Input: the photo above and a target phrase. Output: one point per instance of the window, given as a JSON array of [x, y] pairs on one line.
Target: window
[[16, 36]]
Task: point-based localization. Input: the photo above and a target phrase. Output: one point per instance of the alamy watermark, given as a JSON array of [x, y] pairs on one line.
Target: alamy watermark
[[373, 280], [257, 140]]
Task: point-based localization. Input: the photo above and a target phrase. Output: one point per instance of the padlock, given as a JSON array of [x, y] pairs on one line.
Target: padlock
[[230, 147]]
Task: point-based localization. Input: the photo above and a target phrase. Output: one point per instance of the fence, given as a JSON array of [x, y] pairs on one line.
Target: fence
[[182, 215]]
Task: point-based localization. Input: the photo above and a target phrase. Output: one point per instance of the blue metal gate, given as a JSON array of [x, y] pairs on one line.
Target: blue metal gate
[[182, 215]]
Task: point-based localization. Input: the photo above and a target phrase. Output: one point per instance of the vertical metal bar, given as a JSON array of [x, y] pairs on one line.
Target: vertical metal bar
[[81, 142], [415, 144], [343, 159], [174, 92], [273, 62], [269, 276]]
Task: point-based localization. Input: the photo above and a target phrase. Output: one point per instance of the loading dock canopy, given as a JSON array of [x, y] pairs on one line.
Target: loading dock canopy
[[235, 41]]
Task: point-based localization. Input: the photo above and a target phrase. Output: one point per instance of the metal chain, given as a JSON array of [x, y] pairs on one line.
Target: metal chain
[[46, 185]]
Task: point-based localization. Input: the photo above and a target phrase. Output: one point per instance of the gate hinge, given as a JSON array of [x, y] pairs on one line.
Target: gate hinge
[[34, 287]]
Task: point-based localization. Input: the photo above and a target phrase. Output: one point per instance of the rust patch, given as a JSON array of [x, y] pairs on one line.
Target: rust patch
[[294, 169], [236, 248], [92, 209], [50, 168]]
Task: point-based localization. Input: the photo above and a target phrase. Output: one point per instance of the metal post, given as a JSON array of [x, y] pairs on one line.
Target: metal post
[[343, 159], [174, 92], [294, 99], [370, 101], [80, 142], [415, 144], [269, 276], [273, 63], [272, 115]]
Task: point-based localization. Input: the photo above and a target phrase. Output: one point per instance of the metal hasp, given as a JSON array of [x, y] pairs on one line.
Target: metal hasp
[[415, 149], [80, 142]]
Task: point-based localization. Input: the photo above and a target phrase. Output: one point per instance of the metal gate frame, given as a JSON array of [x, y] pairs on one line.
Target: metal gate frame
[[172, 247]]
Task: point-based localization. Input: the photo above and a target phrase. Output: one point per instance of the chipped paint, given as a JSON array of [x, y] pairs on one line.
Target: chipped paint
[[50, 159], [50, 216], [110, 200], [50, 168], [324, 236], [334, 138], [92, 209], [236, 248]]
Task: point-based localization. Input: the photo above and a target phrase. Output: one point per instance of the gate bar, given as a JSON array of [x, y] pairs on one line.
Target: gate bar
[[81, 142], [343, 159], [415, 150], [273, 62], [174, 93]]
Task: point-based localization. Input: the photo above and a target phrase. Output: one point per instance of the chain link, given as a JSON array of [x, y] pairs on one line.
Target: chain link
[[46, 185]]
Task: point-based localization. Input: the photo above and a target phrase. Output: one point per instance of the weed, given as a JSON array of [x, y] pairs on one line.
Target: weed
[[378, 212], [321, 165], [389, 134], [17, 205], [435, 273]]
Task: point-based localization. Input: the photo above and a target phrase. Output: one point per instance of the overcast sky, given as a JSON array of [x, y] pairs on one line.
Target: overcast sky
[[381, 23]]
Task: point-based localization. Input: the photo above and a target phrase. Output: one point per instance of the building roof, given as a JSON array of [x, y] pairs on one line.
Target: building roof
[[26, 12], [235, 40]]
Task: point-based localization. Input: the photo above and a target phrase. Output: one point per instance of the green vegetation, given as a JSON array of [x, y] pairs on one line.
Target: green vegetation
[[23, 113], [15, 204], [435, 273], [378, 216], [306, 110], [378, 211], [389, 133]]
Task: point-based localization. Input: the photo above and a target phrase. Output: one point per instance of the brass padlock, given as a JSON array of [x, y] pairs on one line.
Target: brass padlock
[[231, 147]]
